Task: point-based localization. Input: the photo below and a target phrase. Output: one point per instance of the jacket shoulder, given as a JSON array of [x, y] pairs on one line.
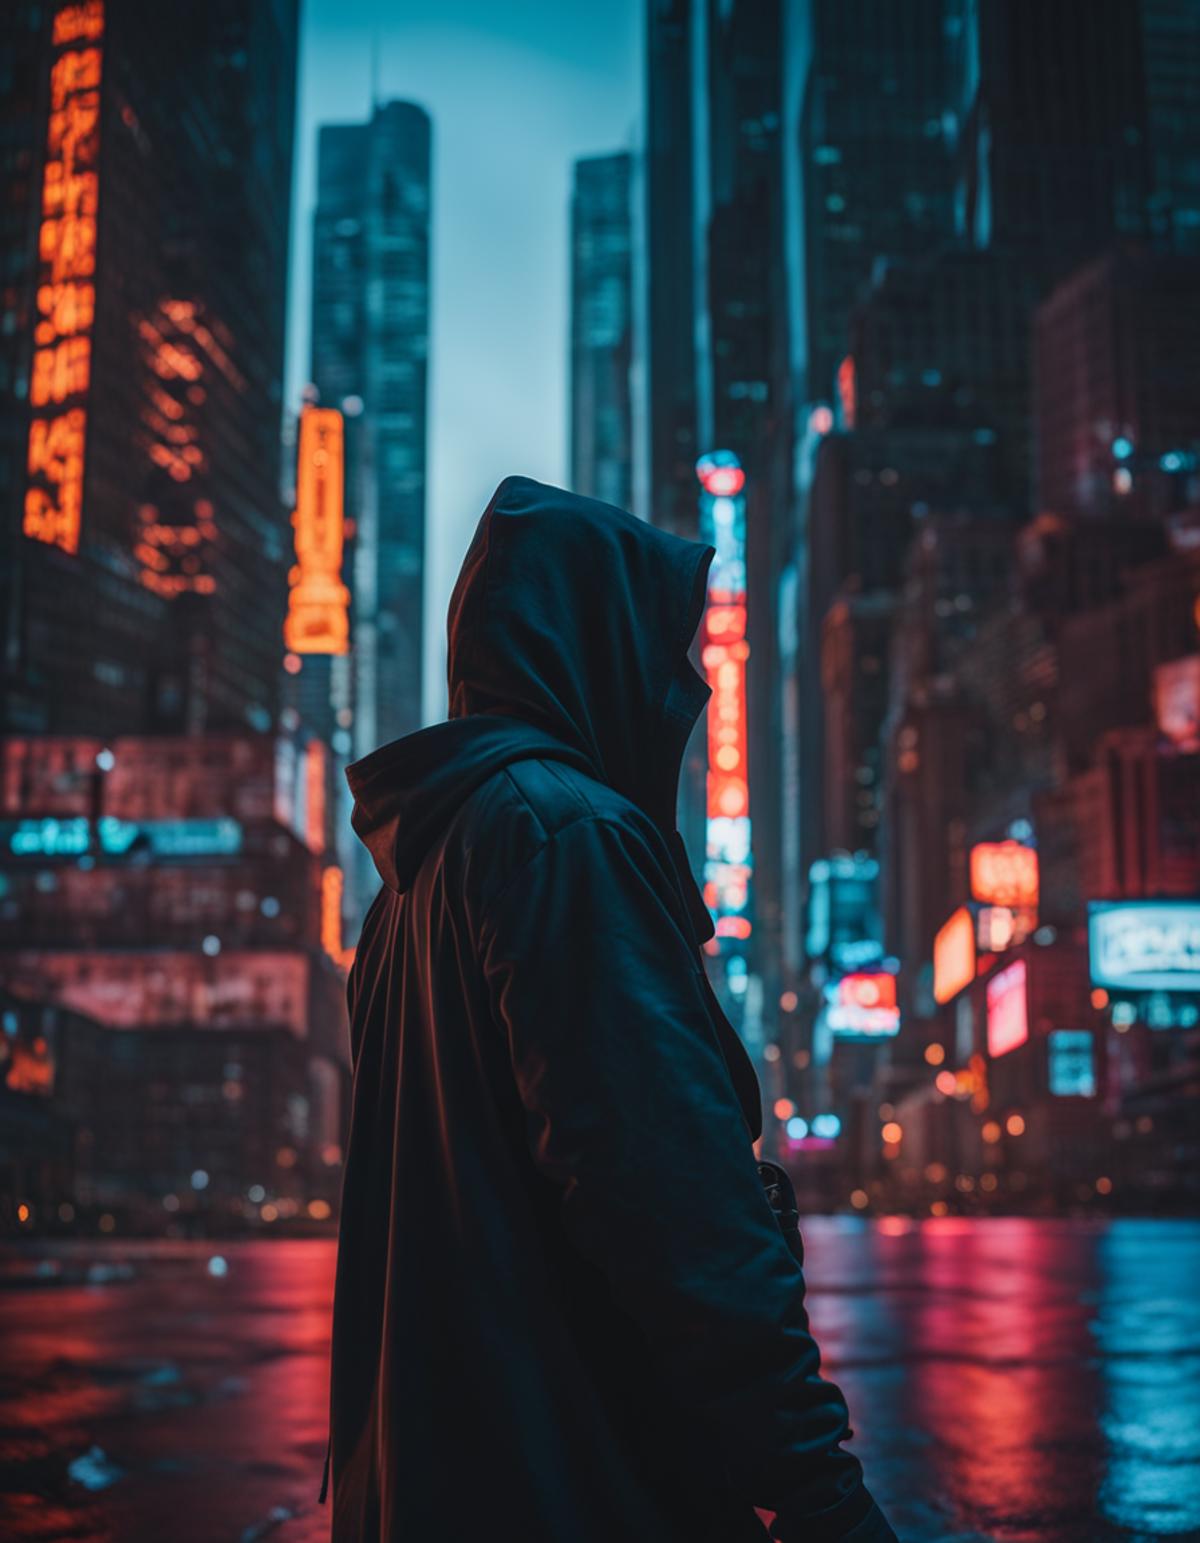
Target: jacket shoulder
[[509, 818]]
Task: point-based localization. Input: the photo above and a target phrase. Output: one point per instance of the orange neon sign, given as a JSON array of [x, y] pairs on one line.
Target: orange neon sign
[[66, 292], [954, 956], [314, 795], [332, 886], [724, 658], [1005, 873], [318, 618]]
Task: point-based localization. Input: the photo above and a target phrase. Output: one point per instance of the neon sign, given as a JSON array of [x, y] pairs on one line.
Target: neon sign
[[318, 619], [1071, 1071], [864, 1005], [1004, 873], [1007, 1010], [332, 886], [66, 292], [115, 837], [954, 956], [728, 863], [1145, 945], [847, 391], [314, 795]]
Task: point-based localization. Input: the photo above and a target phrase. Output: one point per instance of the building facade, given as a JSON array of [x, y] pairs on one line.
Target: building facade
[[370, 345], [601, 433], [147, 257]]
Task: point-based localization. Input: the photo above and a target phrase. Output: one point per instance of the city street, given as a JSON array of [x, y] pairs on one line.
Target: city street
[[1011, 1380]]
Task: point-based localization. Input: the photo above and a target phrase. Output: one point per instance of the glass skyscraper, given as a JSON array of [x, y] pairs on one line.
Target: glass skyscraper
[[370, 337]]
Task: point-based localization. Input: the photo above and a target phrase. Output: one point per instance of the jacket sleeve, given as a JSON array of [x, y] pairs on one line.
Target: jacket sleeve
[[627, 1100]]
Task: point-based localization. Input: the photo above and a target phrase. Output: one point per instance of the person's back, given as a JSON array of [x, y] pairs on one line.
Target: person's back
[[564, 1307]]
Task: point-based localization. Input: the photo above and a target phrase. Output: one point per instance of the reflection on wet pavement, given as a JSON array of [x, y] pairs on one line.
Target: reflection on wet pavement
[[1010, 1380]]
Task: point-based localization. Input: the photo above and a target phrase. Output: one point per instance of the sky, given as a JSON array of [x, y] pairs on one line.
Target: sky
[[516, 89]]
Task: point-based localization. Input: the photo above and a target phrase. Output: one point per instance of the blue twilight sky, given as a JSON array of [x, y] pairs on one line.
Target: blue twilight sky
[[516, 90]]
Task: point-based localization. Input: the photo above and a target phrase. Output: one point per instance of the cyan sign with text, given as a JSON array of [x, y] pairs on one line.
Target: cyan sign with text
[[1145, 945]]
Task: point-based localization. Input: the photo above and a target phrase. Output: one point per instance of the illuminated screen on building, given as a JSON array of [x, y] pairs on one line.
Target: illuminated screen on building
[[1007, 1009], [728, 862], [1145, 945], [1070, 1063], [318, 618], [66, 290], [954, 956], [864, 1006], [1004, 873]]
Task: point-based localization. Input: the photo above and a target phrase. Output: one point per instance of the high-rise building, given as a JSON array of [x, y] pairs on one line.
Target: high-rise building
[[669, 278], [601, 330], [1171, 58], [944, 342], [743, 381], [370, 338], [141, 376], [1052, 156], [1117, 422], [716, 349], [875, 165]]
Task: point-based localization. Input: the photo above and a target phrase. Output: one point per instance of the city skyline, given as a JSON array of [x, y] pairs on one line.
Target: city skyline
[[499, 332]]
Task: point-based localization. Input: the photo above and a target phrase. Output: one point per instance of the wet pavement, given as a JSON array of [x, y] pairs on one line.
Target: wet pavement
[[1022, 1381]]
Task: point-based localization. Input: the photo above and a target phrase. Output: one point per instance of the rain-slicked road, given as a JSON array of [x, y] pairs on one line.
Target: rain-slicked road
[[1010, 1380]]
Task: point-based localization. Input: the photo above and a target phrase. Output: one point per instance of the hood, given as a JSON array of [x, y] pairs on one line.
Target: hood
[[568, 635]]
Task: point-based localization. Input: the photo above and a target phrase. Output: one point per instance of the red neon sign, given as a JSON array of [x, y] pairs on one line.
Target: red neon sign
[[724, 658], [1007, 1010], [721, 481], [867, 988], [66, 293], [847, 390]]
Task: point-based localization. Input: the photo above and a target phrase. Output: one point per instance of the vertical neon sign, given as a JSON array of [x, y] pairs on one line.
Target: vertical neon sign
[[728, 862], [66, 293], [318, 619]]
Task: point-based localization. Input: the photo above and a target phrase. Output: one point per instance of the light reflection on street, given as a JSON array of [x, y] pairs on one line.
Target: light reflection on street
[[1011, 1380]]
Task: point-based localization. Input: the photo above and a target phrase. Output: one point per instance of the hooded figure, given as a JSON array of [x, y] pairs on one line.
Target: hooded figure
[[565, 1311]]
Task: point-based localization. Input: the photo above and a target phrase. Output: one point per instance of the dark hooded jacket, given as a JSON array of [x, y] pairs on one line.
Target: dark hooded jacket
[[564, 1311]]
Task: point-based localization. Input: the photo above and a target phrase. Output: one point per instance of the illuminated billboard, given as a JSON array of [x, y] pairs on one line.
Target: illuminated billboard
[[66, 280], [1145, 945], [1005, 873], [318, 617], [843, 912], [1177, 701], [864, 1006], [1070, 1063], [724, 652], [73, 837], [954, 956], [1007, 1009]]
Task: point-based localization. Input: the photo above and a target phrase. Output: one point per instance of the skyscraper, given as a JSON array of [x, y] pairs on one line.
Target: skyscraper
[[1171, 58], [875, 166], [1052, 157], [1117, 426], [601, 330], [370, 335], [670, 252], [143, 371], [716, 345]]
